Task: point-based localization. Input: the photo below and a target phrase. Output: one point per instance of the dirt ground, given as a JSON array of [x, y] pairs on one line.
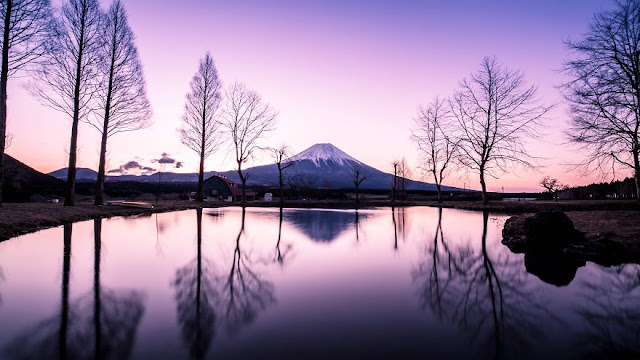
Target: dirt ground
[[18, 219]]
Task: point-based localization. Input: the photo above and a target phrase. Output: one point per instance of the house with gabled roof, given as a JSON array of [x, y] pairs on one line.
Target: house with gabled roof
[[221, 188]]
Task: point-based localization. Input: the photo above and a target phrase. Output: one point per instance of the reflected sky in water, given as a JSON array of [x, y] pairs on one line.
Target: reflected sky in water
[[304, 283]]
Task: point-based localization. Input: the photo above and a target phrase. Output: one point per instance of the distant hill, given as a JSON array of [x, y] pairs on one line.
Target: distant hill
[[322, 166], [82, 174], [21, 182]]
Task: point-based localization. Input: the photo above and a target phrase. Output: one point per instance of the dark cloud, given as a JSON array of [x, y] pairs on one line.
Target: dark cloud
[[132, 165], [179, 164], [115, 171], [166, 160], [149, 169]]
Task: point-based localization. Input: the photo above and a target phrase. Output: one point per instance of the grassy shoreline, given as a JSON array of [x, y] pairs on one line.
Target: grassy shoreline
[[22, 218]]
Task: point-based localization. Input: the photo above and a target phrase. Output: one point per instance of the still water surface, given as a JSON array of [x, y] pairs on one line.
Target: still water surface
[[265, 284]]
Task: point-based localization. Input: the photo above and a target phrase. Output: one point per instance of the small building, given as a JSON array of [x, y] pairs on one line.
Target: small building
[[268, 197], [220, 188]]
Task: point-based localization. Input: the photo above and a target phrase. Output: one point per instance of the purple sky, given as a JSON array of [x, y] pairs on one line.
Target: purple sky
[[351, 73]]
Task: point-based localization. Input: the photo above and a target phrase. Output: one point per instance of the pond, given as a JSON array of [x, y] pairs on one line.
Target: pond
[[304, 283]]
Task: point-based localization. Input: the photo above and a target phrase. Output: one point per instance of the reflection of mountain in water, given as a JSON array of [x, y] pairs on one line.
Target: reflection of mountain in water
[[322, 225]]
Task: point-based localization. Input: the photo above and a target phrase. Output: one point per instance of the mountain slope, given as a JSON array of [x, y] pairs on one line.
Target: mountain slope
[[326, 166], [82, 174], [20, 182]]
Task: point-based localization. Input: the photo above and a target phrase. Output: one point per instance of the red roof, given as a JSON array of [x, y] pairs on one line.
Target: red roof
[[235, 189]]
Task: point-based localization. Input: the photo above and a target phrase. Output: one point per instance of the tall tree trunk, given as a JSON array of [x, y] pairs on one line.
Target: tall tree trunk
[[199, 195], [395, 181], [435, 179], [4, 76], [357, 195], [636, 163], [70, 192], [99, 199], [243, 180], [281, 184], [485, 199]]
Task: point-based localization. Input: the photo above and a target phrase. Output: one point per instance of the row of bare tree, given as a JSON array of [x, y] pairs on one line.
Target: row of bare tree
[[243, 121], [85, 65], [485, 125]]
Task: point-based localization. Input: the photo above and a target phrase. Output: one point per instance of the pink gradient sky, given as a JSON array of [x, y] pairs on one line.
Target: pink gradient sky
[[351, 73]]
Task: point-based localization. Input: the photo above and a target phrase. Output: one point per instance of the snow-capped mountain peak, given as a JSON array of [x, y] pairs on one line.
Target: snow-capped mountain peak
[[324, 153]]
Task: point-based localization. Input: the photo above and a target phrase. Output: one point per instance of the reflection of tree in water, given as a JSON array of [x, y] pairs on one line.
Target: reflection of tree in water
[[207, 299], [196, 294], [611, 313], [398, 225], [280, 255], [99, 325], [487, 297], [244, 293]]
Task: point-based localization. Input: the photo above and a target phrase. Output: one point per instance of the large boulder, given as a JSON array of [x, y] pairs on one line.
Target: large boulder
[[544, 231]]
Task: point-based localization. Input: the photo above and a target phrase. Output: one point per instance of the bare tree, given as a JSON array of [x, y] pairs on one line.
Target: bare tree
[[25, 26], [281, 155], [394, 185], [247, 120], [496, 112], [433, 138], [604, 91], [357, 176], [71, 76], [200, 126], [402, 178], [124, 99], [552, 185], [301, 184]]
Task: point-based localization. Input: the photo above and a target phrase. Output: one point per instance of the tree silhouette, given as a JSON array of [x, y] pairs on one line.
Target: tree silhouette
[[433, 137], [247, 120], [604, 91], [357, 177], [70, 75], [124, 98], [196, 297], [496, 112], [281, 154], [25, 26], [200, 125]]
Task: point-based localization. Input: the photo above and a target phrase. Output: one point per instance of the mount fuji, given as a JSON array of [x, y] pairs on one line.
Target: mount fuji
[[328, 167]]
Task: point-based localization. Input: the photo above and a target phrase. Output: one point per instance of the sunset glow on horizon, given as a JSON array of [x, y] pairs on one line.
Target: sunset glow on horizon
[[350, 73]]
